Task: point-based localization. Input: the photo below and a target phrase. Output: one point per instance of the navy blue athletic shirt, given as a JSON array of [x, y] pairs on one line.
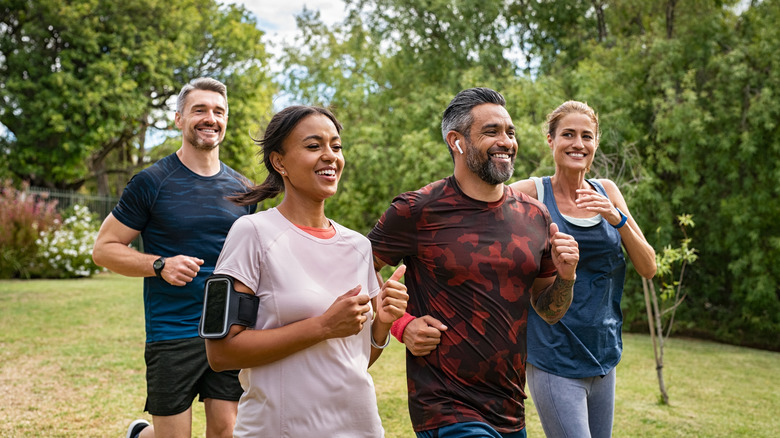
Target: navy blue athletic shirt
[[179, 212], [587, 341]]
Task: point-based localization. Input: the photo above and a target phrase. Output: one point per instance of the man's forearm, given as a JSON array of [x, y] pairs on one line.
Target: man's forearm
[[553, 302]]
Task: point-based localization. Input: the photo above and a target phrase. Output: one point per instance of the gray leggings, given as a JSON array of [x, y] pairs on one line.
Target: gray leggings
[[573, 408]]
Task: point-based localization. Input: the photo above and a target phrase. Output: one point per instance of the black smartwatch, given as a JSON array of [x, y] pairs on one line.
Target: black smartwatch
[[158, 266]]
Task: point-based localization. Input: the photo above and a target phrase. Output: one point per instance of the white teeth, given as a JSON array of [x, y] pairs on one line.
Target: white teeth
[[501, 156], [329, 172], [574, 154]]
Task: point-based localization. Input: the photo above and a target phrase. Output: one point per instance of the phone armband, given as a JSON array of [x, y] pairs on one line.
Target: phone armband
[[223, 307]]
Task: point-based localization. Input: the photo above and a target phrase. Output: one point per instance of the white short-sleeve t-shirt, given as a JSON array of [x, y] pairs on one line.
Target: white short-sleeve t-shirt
[[324, 390]]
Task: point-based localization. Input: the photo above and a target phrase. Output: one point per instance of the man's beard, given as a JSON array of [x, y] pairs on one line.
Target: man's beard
[[199, 144], [487, 169]]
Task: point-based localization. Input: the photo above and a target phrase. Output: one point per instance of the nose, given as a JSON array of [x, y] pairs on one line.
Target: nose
[[328, 154], [210, 117], [505, 140]]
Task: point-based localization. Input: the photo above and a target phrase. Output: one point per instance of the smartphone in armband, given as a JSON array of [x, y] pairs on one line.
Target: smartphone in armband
[[223, 307]]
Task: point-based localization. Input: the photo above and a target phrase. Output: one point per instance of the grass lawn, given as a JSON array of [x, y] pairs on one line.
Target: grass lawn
[[71, 364]]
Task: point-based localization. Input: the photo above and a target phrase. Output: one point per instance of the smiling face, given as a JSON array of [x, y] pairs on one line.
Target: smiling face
[[203, 119], [312, 162], [574, 143], [491, 146]]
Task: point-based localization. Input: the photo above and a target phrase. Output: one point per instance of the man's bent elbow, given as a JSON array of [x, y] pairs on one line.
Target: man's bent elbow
[[97, 257], [553, 317]]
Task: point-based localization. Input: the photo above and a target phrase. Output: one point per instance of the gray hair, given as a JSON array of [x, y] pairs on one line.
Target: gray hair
[[457, 117], [207, 84]]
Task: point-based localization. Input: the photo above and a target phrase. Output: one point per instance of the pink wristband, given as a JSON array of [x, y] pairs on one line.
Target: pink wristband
[[399, 325]]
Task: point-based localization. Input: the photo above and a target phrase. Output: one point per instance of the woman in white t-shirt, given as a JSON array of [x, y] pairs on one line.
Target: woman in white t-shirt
[[305, 363]]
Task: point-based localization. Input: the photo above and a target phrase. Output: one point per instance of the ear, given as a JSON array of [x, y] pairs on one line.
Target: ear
[[451, 137], [177, 120], [276, 162], [550, 141]]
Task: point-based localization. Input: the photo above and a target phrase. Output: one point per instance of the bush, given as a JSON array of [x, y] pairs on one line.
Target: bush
[[23, 217], [66, 252]]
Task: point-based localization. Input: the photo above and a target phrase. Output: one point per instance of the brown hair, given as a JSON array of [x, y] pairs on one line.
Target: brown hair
[[571, 107], [280, 126]]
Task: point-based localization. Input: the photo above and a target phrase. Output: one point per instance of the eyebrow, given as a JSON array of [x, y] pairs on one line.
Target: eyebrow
[[497, 126], [585, 131], [203, 105], [319, 137]]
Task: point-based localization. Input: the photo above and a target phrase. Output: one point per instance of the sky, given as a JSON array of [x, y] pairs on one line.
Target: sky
[[277, 17]]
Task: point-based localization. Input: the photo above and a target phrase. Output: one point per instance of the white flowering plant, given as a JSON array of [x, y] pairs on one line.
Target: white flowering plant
[[66, 250]]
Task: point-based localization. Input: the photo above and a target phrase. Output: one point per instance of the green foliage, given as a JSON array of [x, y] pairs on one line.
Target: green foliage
[[686, 94], [671, 263], [22, 218], [66, 250], [84, 81]]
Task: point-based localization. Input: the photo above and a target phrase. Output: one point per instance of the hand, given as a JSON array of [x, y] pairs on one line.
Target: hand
[[423, 334], [591, 200], [392, 298], [181, 269], [565, 253], [346, 316]]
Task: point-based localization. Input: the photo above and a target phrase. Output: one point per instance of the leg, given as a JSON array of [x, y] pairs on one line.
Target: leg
[[560, 402], [220, 417], [172, 372], [173, 426], [601, 405], [220, 393]]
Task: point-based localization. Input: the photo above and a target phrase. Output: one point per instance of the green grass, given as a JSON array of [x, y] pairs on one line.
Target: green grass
[[71, 364]]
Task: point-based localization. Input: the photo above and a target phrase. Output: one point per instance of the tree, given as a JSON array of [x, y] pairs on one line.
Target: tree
[[686, 93], [660, 318], [388, 71], [85, 80]]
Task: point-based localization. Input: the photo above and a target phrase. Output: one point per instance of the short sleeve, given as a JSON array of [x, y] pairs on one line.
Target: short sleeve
[[135, 204], [241, 254], [394, 236]]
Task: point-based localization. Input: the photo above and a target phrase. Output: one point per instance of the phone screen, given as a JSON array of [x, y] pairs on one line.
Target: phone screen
[[215, 307]]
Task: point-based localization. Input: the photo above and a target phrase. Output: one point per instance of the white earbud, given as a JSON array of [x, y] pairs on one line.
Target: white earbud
[[457, 145]]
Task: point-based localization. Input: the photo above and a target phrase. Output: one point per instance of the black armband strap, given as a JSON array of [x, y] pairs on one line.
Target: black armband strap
[[224, 307]]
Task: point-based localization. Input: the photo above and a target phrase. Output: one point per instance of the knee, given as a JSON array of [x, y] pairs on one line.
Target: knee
[[219, 430]]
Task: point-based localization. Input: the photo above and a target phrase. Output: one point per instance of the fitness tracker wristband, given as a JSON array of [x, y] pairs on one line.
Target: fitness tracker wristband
[[158, 266], [623, 219]]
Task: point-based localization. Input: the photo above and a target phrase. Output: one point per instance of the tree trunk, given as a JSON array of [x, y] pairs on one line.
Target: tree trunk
[[656, 334], [670, 5], [598, 6], [101, 176]]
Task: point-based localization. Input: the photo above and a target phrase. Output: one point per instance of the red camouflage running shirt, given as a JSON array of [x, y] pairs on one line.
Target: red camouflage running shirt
[[471, 265]]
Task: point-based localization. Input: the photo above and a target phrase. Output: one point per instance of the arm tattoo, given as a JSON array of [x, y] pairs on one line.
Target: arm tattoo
[[554, 300]]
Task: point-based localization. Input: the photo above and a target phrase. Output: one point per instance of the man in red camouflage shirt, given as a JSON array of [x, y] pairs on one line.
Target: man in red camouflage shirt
[[477, 255]]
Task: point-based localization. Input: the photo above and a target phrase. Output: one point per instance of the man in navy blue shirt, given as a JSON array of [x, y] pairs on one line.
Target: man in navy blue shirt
[[179, 207]]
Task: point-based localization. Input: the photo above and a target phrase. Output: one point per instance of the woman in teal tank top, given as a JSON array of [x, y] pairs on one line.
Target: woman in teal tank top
[[571, 364]]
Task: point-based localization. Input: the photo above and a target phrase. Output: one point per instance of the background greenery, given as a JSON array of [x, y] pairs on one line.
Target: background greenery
[[71, 364], [686, 92]]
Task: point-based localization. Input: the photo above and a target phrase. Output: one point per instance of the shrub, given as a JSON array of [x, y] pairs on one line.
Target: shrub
[[66, 252], [23, 216]]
